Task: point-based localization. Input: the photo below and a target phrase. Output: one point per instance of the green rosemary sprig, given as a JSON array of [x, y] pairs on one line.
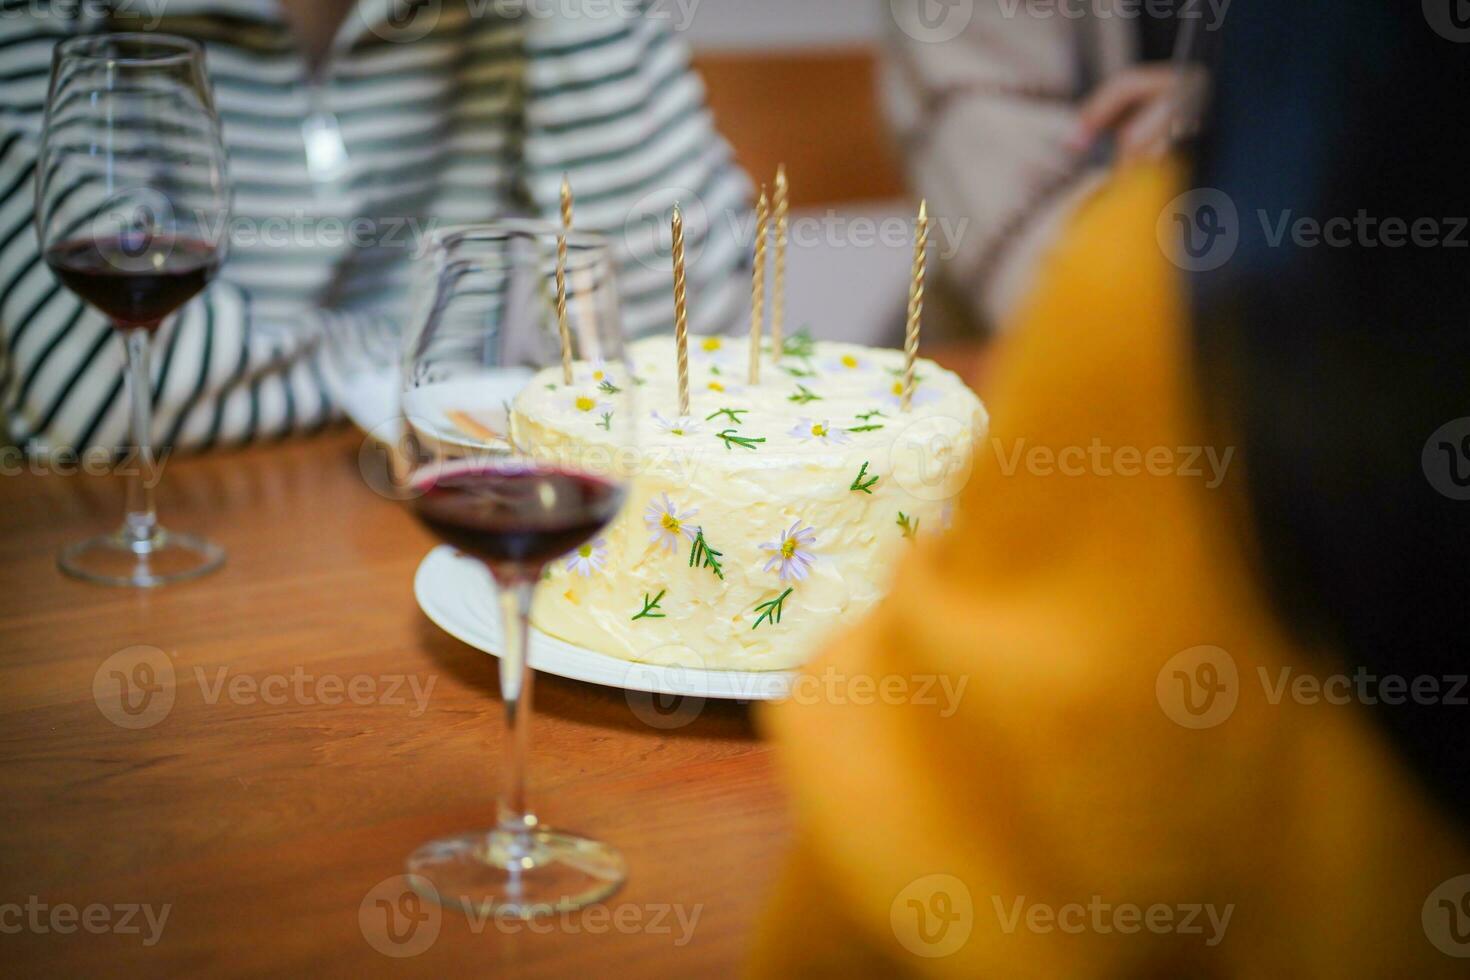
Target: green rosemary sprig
[[865, 428], [606, 422], [797, 372], [715, 370], [864, 486], [649, 605], [733, 439], [909, 525], [608, 388], [799, 344], [551, 387], [865, 416], [770, 612], [733, 413], [803, 395], [702, 555]]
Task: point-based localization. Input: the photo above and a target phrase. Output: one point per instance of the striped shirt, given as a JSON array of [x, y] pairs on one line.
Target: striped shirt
[[422, 115]]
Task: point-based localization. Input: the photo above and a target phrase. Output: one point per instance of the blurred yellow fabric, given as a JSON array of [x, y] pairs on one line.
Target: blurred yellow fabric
[[1104, 796]]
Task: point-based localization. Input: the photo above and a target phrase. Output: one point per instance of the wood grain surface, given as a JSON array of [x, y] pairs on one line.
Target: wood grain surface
[[295, 768]]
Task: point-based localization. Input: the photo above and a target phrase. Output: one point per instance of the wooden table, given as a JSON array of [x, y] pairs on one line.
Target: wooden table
[[271, 803], [264, 815]]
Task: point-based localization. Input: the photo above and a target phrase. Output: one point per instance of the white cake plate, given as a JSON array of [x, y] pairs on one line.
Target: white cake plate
[[458, 595]]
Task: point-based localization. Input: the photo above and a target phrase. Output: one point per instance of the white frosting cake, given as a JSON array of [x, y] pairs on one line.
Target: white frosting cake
[[766, 518]]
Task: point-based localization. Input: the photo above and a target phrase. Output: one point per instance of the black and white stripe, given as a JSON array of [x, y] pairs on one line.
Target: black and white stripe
[[475, 120]]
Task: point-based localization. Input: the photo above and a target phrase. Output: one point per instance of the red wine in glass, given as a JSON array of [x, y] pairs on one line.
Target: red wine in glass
[[515, 517], [135, 279], [512, 508], [130, 176]]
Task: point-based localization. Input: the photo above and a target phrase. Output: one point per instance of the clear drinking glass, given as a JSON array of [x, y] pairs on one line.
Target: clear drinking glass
[[517, 492], [131, 197]]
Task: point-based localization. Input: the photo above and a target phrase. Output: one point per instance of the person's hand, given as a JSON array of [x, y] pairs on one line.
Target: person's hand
[[1145, 105]]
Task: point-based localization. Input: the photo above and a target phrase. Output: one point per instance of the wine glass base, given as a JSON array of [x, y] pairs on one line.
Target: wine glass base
[[514, 874], [119, 559]]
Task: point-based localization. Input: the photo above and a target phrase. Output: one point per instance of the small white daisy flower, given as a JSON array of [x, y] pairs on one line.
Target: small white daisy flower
[[808, 429], [684, 425], [892, 394], [597, 372], [589, 405], [720, 385], [713, 349], [790, 554], [588, 558], [667, 523], [846, 364]]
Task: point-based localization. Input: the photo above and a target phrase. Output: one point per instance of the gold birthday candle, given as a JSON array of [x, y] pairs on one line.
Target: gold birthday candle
[[916, 303], [779, 207], [561, 280], [681, 317], [758, 286]]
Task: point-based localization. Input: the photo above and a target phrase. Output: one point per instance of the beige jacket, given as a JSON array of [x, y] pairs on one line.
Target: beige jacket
[[982, 95]]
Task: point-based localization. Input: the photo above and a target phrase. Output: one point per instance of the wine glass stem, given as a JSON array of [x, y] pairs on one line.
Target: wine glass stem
[[515, 691], [141, 522]]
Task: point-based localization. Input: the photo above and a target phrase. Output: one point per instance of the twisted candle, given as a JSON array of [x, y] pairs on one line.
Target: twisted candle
[[561, 280], [681, 317], [758, 286], [916, 303], [779, 208]]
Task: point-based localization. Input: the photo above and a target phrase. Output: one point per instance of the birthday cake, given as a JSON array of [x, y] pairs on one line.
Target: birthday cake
[[768, 516]]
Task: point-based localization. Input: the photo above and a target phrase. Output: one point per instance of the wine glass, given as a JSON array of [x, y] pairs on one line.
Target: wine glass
[[515, 465], [131, 200]]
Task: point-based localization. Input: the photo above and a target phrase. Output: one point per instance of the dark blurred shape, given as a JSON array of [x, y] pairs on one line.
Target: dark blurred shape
[[1342, 366]]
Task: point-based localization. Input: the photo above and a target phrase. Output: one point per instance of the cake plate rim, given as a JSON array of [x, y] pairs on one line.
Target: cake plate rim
[[452, 590]]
